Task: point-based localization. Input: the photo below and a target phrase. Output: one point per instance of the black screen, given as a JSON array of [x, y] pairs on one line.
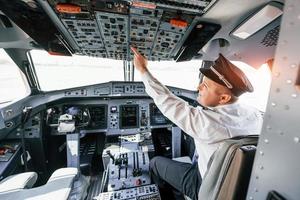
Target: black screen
[[156, 117], [98, 117], [129, 116]]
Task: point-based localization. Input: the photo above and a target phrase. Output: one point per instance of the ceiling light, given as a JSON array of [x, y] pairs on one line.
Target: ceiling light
[[263, 17]]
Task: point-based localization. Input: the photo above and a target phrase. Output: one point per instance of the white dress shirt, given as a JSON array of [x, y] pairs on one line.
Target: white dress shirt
[[208, 127]]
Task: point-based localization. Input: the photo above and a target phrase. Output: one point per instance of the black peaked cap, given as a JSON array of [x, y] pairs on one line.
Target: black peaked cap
[[237, 79]]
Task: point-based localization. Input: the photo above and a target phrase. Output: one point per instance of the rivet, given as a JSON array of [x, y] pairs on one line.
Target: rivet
[[281, 133], [293, 65], [261, 153], [289, 81], [277, 90], [298, 17], [266, 141], [251, 198], [273, 104], [296, 139], [277, 74], [286, 107], [291, 23], [256, 177], [284, 58], [294, 95], [261, 167], [269, 127], [255, 190]]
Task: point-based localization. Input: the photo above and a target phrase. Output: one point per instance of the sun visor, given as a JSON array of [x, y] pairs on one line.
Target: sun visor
[[34, 21], [199, 36]]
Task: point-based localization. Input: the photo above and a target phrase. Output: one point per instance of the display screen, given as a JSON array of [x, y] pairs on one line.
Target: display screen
[[98, 117], [129, 116], [156, 117]]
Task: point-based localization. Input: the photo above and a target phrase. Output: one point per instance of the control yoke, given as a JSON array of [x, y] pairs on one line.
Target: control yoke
[[25, 114]]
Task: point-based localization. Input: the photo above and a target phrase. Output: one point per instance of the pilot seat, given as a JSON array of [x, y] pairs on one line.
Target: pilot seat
[[59, 186], [229, 170]]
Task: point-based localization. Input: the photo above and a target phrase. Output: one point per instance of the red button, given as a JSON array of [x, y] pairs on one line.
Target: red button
[[138, 182]]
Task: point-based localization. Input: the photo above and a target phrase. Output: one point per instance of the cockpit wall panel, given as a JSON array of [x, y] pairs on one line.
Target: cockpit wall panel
[[275, 174], [33, 20]]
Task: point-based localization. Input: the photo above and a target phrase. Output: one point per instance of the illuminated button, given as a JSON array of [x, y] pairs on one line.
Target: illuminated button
[[138, 182]]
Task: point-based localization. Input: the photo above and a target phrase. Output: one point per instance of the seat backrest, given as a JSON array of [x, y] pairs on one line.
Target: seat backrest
[[58, 187], [18, 181], [229, 170]]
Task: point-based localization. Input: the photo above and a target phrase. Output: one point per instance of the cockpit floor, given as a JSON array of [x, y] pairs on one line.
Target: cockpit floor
[[95, 186]]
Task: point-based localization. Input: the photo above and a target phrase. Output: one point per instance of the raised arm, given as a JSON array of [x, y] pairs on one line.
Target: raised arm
[[191, 120]]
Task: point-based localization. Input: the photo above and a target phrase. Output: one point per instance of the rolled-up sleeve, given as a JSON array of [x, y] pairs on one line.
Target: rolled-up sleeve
[[193, 121]]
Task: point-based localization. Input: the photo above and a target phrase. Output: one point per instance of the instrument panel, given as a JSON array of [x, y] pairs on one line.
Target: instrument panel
[[114, 116], [97, 108], [114, 108]]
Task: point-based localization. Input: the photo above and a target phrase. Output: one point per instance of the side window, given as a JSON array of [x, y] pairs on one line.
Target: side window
[[13, 84], [261, 81]]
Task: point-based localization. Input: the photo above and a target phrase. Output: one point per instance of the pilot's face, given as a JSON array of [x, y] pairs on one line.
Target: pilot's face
[[209, 95]]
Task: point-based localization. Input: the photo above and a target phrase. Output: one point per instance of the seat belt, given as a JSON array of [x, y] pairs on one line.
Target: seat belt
[[195, 157]]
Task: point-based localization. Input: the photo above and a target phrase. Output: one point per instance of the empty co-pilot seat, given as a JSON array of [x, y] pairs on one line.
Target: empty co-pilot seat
[[58, 187], [228, 175], [18, 182]]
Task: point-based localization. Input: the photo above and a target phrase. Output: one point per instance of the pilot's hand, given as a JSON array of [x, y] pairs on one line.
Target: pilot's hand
[[139, 61]]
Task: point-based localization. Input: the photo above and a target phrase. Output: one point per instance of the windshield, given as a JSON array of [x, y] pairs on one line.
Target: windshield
[[61, 72], [182, 74]]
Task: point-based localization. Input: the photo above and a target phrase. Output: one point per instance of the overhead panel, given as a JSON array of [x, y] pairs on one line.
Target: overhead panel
[[85, 32], [107, 28], [144, 24], [113, 28]]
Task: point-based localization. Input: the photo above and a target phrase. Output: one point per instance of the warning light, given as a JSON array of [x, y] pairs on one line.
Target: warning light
[[68, 8], [143, 5], [53, 53], [178, 23]]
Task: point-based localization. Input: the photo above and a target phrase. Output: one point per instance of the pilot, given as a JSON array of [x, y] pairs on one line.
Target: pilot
[[220, 117]]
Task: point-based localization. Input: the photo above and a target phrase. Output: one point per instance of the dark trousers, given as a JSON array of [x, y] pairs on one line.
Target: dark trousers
[[185, 178]]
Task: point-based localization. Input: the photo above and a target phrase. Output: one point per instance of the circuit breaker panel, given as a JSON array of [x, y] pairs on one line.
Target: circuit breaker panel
[[107, 28]]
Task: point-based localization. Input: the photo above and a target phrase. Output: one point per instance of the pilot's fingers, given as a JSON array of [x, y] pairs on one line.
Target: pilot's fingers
[[134, 50], [137, 53]]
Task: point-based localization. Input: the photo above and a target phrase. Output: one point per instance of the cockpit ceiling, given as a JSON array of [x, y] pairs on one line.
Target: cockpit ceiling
[[159, 29], [106, 28]]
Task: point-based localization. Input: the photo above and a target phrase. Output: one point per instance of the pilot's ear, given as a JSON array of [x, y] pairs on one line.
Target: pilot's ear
[[224, 98]]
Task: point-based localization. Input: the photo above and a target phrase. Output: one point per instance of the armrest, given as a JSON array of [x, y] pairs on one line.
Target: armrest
[[18, 181]]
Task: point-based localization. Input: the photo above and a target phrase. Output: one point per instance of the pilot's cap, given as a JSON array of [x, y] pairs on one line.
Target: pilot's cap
[[227, 74]]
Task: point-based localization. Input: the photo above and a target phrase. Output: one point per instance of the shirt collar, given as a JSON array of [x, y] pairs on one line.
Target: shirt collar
[[231, 105]]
